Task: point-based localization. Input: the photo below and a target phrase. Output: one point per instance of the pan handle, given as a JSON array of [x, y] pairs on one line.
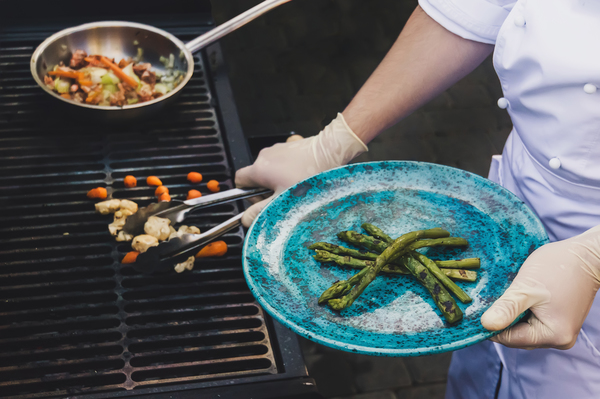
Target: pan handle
[[231, 25]]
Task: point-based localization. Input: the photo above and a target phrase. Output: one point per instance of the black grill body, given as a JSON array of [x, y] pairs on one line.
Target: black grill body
[[74, 322]]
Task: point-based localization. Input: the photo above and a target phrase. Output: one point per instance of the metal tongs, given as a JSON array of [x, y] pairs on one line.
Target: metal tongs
[[169, 253]]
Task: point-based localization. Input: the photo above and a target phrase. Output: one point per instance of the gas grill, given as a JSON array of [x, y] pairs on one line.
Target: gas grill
[[74, 322]]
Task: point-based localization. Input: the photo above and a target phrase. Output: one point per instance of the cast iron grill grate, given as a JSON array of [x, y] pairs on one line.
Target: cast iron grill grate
[[72, 319]]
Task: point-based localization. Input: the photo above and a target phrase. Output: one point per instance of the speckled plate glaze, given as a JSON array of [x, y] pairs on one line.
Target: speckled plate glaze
[[395, 316]]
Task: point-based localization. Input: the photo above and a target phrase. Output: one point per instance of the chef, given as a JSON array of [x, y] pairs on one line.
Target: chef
[[547, 56]]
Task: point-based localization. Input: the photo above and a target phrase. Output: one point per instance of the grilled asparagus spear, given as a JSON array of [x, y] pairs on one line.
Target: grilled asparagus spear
[[391, 253], [393, 268], [468, 263], [441, 297], [361, 240], [435, 270], [377, 232]]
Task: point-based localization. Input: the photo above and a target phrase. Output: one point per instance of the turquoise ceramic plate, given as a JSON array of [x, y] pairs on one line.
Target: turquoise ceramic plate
[[395, 315]]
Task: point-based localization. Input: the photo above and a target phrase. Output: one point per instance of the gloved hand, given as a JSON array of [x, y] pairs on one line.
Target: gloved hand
[[282, 165], [558, 283]]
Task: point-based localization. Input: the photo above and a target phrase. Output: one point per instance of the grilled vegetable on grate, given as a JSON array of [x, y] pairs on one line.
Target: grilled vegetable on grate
[[164, 197], [213, 186], [158, 228], [161, 190], [217, 248], [142, 242], [187, 265], [194, 177], [130, 257], [98, 192], [194, 194], [130, 181], [153, 181], [184, 230], [106, 207]]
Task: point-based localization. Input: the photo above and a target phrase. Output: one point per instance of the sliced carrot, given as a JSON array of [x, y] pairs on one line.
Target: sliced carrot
[[129, 181], [213, 186], [161, 190], [119, 72], [98, 192], [90, 97], [194, 177], [153, 181], [94, 61], [164, 197], [66, 95], [79, 76], [67, 74], [130, 257], [194, 194], [217, 248]]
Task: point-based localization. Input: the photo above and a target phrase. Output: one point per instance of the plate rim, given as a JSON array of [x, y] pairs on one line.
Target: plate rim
[[361, 349]]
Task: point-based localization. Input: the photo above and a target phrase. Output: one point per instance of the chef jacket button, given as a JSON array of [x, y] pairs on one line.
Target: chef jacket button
[[502, 103], [554, 163], [519, 20], [590, 88]]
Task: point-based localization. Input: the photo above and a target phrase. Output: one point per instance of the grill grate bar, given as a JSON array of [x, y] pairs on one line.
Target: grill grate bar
[[166, 299], [82, 336], [191, 349], [51, 310], [41, 380], [49, 324], [62, 296], [53, 350], [199, 363], [58, 284], [81, 362], [60, 248], [203, 335]]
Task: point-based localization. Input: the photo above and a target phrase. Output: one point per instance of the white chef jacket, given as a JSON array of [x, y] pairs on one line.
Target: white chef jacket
[[547, 56]]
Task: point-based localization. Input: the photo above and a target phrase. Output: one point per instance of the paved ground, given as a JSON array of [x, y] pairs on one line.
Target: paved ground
[[293, 70]]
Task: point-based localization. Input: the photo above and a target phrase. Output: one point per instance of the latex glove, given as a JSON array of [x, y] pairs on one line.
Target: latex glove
[[558, 283], [284, 164]]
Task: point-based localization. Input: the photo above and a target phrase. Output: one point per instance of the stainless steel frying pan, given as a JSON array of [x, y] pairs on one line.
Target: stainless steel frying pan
[[121, 40]]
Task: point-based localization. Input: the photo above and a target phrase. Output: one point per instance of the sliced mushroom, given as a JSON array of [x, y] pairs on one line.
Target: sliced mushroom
[[109, 206], [158, 227], [124, 237], [142, 242], [188, 264], [184, 230], [129, 205]]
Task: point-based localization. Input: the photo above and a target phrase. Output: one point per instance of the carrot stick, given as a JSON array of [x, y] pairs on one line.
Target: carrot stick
[[217, 248], [94, 61], [79, 76], [119, 72], [67, 74], [130, 257]]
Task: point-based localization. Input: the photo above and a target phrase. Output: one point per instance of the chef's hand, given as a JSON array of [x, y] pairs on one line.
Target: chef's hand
[[558, 283], [282, 165]]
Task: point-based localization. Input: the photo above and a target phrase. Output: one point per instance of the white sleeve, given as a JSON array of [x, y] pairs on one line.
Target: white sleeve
[[477, 20]]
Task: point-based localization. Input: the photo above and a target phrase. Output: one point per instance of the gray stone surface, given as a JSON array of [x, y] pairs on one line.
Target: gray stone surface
[[371, 395], [332, 373], [427, 369], [431, 391], [376, 373]]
